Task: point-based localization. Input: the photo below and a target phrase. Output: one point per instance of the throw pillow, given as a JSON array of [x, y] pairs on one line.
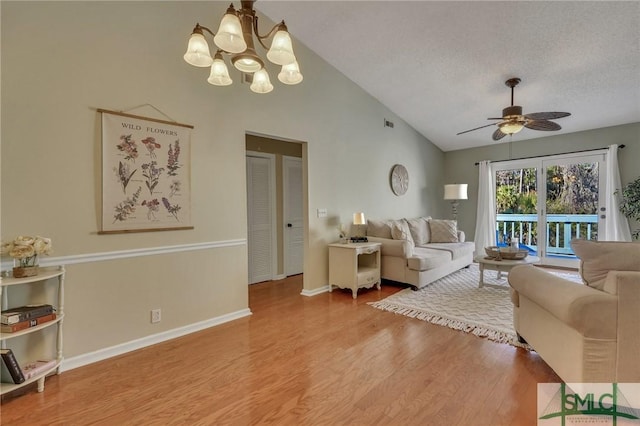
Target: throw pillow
[[419, 229], [379, 228], [400, 231], [443, 231], [597, 258]]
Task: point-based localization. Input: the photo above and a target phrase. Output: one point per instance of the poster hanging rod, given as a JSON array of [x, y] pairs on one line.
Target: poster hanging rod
[[560, 153]]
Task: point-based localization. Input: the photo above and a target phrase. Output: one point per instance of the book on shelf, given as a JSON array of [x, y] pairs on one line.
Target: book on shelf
[[11, 371], [23, 325], [36, 368], [23, 313]]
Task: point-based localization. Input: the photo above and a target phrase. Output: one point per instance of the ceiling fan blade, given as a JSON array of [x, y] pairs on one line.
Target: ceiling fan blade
[[546, 115], [542, 125], [495, 118], [497, 135], [471, 130]]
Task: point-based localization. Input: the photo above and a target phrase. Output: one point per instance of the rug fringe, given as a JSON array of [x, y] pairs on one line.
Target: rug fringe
[[494, 335]]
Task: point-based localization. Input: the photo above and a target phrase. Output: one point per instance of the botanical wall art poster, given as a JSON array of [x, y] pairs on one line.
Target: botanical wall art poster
[[146, 174]]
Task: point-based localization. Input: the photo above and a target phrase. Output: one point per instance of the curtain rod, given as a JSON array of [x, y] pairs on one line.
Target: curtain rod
[[560, 153]]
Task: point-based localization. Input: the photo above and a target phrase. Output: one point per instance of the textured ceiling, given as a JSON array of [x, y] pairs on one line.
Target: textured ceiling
[[441, 66]]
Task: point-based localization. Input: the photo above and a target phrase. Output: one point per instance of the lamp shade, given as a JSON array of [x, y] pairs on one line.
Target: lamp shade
[[198, 53], [229, 36], [261, 82], [511, 127], [358, 219], [290, 74], [219, 72], [456, 191], [281, 51], [247, 61]]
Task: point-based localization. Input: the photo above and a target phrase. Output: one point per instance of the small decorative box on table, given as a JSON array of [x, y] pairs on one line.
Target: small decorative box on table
[[354, 266]]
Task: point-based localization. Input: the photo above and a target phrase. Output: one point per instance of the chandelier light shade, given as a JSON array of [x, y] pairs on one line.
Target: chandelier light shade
[[290, 74], [219, 72], [198, 50], [235, 38], [261, 82], [281, 51], [229, 36], [248, 61]]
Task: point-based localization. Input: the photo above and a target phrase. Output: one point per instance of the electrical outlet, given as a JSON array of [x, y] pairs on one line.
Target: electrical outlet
[[156, 315]]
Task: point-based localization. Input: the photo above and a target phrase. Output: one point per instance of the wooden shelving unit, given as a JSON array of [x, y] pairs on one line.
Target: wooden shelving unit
[[6, 283]]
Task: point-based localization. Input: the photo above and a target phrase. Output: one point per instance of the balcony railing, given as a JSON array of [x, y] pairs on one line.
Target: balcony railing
[[560, 230]]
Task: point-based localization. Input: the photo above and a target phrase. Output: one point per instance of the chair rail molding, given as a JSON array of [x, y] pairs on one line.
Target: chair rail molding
[[124, 254]]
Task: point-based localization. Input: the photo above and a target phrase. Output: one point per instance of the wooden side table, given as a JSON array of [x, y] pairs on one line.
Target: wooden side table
[[354, 266]]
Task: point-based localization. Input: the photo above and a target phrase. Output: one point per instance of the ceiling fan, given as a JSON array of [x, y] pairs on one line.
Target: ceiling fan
[[512, 120]]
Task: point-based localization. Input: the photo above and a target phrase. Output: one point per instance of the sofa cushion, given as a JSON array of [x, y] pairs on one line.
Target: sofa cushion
[[443, 231], [425, 259], [597, 258], [457, 250], [379, 228], [419, 228], [400, 231]]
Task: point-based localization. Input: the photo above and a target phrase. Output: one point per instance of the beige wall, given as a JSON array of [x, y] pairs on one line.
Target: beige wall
[[460, 165], [62, 60]]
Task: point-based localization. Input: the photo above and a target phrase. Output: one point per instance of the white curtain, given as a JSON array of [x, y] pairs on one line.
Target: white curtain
[[616, 224], [486, 214]]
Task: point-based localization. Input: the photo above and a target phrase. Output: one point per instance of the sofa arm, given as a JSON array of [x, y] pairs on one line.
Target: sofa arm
[[397, 248], [591, 312], [626, 285]]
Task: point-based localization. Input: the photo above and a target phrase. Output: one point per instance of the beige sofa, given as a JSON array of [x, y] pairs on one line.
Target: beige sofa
[[421, 250], [586, 333]]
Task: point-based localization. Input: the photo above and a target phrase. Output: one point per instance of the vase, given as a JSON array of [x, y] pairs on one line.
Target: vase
[[25, 271]]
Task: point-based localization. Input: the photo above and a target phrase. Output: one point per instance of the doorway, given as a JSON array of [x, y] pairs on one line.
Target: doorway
[[286, 196], [546, 202]]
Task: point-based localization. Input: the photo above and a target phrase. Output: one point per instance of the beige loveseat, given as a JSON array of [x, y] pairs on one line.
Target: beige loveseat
[[421, 250], [586, 333]]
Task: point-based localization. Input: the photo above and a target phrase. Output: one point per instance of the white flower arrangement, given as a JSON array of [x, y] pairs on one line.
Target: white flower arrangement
[[26, 249]]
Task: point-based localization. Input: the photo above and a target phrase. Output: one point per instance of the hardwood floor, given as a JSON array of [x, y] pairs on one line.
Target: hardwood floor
[[322, 360]]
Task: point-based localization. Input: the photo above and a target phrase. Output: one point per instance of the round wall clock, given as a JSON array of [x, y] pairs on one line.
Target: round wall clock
[[399, 179]]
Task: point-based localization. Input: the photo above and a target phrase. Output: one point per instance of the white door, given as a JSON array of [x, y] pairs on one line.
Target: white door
[[261, 216], [293, 215]]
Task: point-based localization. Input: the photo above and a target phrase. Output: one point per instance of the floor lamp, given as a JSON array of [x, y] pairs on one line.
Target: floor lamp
[[455, 192]]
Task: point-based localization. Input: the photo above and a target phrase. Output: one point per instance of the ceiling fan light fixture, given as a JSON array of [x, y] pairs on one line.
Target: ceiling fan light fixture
[[511, 127]]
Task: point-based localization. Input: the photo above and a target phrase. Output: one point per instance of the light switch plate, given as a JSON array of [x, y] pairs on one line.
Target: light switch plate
[[322, 212]]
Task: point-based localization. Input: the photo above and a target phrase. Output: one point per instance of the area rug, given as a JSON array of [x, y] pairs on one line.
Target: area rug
[[456, 301]]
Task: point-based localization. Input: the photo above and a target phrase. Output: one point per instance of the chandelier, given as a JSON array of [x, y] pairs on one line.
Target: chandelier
[[235, 38]]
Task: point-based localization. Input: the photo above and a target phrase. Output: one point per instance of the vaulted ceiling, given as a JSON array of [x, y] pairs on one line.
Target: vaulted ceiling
[[441, 65]]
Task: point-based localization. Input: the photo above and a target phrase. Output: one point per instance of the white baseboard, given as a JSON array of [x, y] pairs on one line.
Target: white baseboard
[[315, 292], [102, 354]]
